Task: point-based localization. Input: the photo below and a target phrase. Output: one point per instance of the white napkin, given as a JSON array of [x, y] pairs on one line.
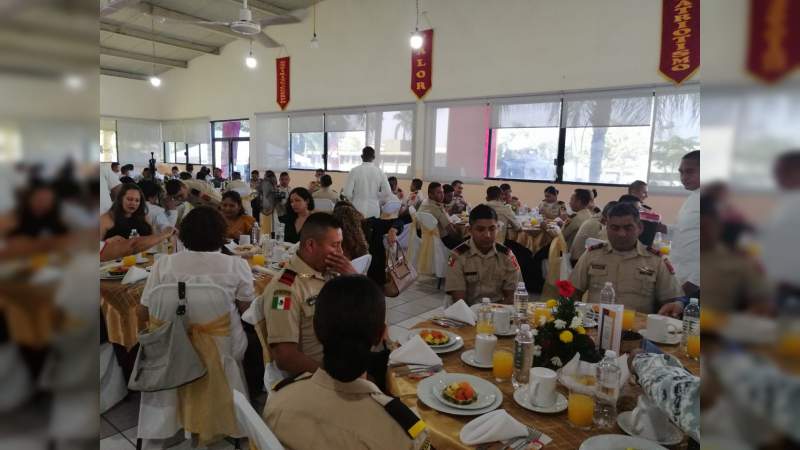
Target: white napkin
[[575, 368], [454, 219], [460, 311], [134, 274], [414, 351], [591, 242], [46, 275], [494, 426]]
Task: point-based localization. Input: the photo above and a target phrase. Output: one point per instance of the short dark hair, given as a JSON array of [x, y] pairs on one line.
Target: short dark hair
[[505, 187], [456, 182], [254, 172], [708, 206], [319, 170], [432, 186], [623, 209], [185, 176], [447, 188], [368, 153], [349, 319], [608, 207], [283, 174], [189, 167], [236, 198], [629, 198], [150, 188], [392, 180], [482, 212], [236, 176], [173, 186], [318, 224], [126, 180], [325, 180], [636, 185], [126, 167], [114, 164], [493, 193], [203, 229], [417, 183], [174, 168], [551, 190], [694, 155], [584, 196]]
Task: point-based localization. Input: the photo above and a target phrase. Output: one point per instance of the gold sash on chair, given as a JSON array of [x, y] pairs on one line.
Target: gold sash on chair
[[425, 263], [265, 223], [557, 248], [205, 406]]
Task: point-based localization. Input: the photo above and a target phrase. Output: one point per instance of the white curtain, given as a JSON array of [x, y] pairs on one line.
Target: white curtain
[[198, 131], [457, 142], [544, 113], [173, 131], [345, 122], [306, 123], [136, 138], [271, 139], [608, 109], [676, 131]]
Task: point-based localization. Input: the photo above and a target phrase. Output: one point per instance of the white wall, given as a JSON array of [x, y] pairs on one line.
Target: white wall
[[123, 97]]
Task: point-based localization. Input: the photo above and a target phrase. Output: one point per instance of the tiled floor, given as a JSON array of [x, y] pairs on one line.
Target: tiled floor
[[418, 303]]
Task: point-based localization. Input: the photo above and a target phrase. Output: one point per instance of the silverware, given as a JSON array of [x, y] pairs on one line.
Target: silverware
[[532, 437], [403, 371], [452, 322]]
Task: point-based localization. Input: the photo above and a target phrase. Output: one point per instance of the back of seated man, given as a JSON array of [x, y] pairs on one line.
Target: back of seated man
[[289, 300], [324, 189], [433, 206], [494, 199], [480, 267]]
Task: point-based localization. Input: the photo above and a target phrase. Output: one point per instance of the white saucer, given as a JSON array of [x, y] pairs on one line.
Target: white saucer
[[521, 397], [511, 332], [673, 437], [615, 441], [469, 359], [672, 339]]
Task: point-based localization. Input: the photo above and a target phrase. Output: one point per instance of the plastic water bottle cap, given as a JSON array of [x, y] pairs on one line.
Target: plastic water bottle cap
[[485, 300], [521, 285], [694, 301], [611, 354], [525, 327]]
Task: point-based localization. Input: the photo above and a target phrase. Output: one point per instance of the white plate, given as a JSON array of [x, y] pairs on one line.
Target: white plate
[[511, 332], [141, 259], [618, 442], [452, 337], [521, 397], [425, 395], [485, 399], [451, 348], [672, 339], [469, 359], [673, 436], [106, 276]]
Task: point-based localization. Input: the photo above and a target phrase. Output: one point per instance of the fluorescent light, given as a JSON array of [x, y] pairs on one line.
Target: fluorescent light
[[416, 40], [155, 81]]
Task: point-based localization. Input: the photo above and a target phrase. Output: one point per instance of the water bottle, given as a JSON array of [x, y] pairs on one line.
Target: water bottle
[[279, 233], [607, 391], [523, 356], [521, 304], [657, 240], [255, 234], [691, 329], [485, 318], [134, 234], [607, 294]]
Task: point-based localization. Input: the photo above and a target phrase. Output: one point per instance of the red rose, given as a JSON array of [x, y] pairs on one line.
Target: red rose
[[565, 288]]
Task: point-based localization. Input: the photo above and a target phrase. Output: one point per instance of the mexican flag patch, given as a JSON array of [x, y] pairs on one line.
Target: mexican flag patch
[[281, 301]]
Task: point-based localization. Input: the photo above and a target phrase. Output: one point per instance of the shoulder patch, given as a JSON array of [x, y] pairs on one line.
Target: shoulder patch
[[289, 380], [287, 277], [502, 249], [403, 415], [596, 247], [653, 251], [669, 266]]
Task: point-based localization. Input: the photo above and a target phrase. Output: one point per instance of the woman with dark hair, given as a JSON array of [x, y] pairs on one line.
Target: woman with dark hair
[[38, 213], [301, 204], [349, 320], [232, 210], [354, 243], [128, 213], [549, 208]]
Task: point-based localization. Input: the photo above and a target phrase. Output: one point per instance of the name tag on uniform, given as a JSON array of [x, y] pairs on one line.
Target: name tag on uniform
[[470, 273], [598, 266], [646, 270]]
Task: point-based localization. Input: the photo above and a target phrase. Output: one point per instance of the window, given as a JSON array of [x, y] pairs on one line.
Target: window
[[391, 134], [174, 152], [346, 137], [232, 129], [460, 138], [676, 131], [200, 154], [231, 147], [307, 150], [108, 140]]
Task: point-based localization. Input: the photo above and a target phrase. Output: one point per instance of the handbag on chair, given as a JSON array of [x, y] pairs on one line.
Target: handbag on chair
[[399, 274], [166, 358]]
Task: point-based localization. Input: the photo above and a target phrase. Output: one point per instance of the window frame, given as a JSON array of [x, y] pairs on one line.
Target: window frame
[[228, 140]]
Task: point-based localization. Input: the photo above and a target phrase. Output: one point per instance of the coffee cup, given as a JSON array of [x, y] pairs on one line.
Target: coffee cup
[[542, 387], [648, 421], [484, 348], [502, 320], [244, 239], [662, 327]]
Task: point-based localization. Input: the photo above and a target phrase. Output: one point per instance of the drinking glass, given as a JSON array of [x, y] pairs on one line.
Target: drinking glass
[[502, 365], [258, 259], [580, 410], [129, 260], [693, 346], [665, 248], [628, 319]]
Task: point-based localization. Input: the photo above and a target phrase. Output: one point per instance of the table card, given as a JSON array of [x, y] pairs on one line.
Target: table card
[[609, 332]]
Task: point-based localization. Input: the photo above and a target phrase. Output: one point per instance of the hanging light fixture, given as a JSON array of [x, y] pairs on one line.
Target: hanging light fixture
[[154, 80], [251, 60], [416, 40], [314, 40]]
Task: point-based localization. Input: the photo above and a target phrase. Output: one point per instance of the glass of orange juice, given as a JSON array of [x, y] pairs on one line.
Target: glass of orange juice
[[628, 319], [580, 410], [258, 259], [502, 365], [693, 346], [129, 260], [665, 248]]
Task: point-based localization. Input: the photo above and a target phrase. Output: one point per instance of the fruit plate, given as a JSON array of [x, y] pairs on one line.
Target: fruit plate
[[426, 396], [451, 337]]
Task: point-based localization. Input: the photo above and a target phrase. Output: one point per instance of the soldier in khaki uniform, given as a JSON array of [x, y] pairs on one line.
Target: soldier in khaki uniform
[[289, 300], [325, 191], [642, 278], [504, 212], [579, 202], [592, 228], [479, 267], [433, 206], [337, 407]]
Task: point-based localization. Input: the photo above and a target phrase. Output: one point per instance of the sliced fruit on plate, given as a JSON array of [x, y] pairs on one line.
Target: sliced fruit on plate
[[434, 337], [119, 270], [460, 393]]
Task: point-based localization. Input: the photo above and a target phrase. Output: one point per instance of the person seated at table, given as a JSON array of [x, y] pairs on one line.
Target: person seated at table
[[579, 203], [301, 204], [354, 243], [639, 190], [338, 407], [325, 191], [632, 199], [643, 279], [549, 207], [290, 298], [128, 213], [155, 213], [448, 196], [480, 267], [457, 204], [237, 184], [505, 188], [196, 193], [415, 196], [433, 206], [316, 183], [494, 199], [238, 223], [202, 232], [594, 228]]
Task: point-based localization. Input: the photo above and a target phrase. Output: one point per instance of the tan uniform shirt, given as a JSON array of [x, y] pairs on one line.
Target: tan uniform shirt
[[294, 322], [208, 195], [550, 210], [505, 214], [731, 281], [436, 210], [571, 229], [642, 280], [321, 412], [482, 275], [591, 228], [326, 193]]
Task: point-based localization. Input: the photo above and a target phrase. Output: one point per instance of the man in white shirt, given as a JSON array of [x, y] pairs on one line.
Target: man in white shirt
[[109, 183], [367, 185], [685, 234]]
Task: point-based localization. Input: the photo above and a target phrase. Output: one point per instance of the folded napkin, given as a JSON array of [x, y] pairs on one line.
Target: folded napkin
[[575, 369], [494, 426], [454, 219], [134, 275], [591, 242], [414, 351], [460, 311], [46, 275]]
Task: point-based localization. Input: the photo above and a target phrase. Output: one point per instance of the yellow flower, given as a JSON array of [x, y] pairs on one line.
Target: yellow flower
[[552, 303], [565, 336], [581, 330]]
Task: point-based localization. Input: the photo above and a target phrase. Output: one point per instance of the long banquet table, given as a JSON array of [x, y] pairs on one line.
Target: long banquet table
[[444, 428]]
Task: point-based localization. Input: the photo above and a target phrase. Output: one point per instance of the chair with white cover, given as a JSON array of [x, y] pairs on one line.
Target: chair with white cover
[[432, 256], [323, 204], [252, 425], [413, 240], [500, 237], [391, 208], [361, 264], [211, 327]]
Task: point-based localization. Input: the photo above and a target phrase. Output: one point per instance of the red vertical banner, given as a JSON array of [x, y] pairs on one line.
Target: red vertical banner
[[774, 41], [680, 39], [422, 65], [282, 81]]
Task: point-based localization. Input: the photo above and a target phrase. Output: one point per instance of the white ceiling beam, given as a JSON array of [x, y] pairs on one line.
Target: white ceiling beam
[[156, 10], [123, 74], [143, 57], [127, 30]]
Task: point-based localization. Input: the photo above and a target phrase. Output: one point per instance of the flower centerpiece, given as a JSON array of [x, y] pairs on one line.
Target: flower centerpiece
[[560, 335]]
